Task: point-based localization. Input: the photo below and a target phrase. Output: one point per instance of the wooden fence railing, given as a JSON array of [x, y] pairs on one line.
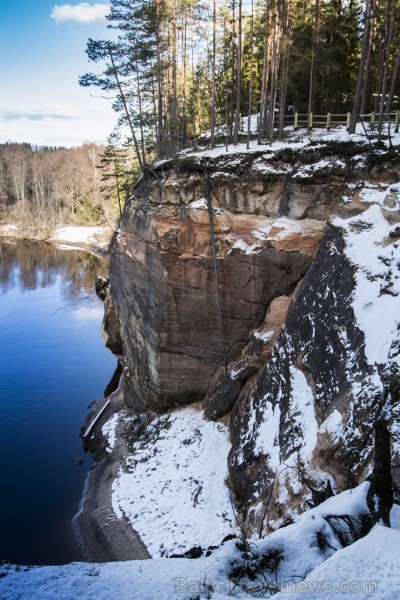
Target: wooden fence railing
[[329, 120]]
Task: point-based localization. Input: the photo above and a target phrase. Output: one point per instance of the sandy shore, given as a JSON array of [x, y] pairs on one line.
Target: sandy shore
[[100, 534]]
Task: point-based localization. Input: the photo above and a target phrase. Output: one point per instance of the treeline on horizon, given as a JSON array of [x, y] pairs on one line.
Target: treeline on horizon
[[49, 186], [176, 69], [39, 265]]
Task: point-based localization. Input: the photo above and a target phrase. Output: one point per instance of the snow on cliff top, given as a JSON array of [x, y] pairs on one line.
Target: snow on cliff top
[[296, 140]]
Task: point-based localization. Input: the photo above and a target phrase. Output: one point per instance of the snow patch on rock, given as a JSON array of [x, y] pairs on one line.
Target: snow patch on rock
[[376, 261], [109, 431]]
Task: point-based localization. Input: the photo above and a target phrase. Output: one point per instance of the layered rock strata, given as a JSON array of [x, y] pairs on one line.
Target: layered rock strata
[[162, 276], [300, 382]]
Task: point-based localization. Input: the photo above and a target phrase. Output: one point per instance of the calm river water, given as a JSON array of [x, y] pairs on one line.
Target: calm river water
[[53, 364]]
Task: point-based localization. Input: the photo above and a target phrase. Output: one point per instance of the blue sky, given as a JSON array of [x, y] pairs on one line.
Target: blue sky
[[42, 55]]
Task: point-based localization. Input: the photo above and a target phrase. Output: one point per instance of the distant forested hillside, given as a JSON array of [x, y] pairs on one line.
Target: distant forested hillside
[[52, 186]]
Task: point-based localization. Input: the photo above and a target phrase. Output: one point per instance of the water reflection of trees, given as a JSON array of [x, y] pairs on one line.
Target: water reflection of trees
[[32, 265]]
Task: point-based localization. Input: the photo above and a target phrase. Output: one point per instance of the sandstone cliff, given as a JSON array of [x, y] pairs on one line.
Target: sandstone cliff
[[293, 339]]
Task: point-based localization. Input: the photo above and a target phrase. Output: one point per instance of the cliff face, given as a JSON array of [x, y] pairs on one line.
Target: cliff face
[[305, 428], [163, 279], [307, 254]]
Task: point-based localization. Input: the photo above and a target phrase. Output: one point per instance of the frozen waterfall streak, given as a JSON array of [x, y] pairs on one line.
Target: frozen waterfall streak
[[207, 194]]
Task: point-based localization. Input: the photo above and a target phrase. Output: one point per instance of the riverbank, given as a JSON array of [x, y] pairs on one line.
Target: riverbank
[[100, 534], [95, 239], [53, 364]]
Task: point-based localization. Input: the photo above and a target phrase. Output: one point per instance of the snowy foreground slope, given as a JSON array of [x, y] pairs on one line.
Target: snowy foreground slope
[[303, 560], [173, 483]]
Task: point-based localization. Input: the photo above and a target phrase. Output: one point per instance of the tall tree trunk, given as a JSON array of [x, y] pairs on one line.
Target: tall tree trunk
[[193, 93], [232, 103], [118, 185], [159, 75], [361, 68], [184, 84], [368, 60], [214, 45], [168, 89], [142, 164], [268, 73], [285, 69], [264, 82], [226, 89], [395, 70], [238, 76], [139, 97], [251, 73], [315, 44], [390, 22], [274, 71], [174, 81], [154, 99]]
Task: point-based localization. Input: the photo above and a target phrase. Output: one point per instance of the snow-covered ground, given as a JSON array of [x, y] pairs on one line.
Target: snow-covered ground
[[303, 560], [366, 569], [65, 237], [97, 237], [172, 488], [295, 140]]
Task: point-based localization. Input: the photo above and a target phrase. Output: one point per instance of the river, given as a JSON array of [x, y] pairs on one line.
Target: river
[[53, 365]]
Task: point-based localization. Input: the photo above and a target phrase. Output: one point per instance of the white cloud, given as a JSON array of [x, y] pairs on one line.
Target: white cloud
[[37, 113], [79, 13], [56, 125]]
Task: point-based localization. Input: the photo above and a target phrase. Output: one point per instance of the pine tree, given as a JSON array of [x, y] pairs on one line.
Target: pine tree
[[116, 176]]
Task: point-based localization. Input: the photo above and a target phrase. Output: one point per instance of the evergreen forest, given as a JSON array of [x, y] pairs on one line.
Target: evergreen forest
[[179, 69]]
